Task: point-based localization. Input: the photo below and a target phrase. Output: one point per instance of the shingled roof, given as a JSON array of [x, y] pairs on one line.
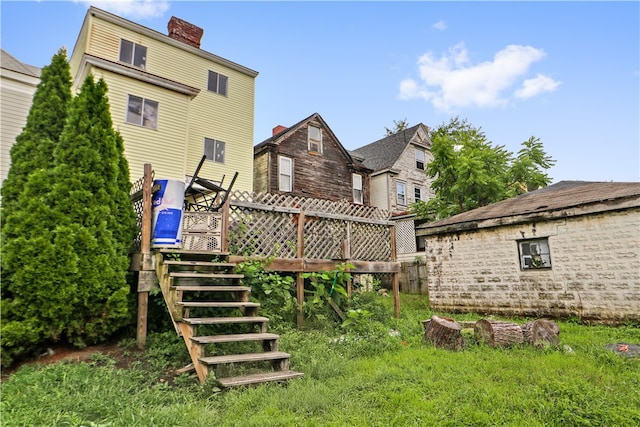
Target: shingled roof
[[9, 62], [558, 198], [383, 153]]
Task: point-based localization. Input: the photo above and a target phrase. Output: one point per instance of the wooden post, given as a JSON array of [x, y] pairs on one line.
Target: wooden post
[[396, 278], [224, 230], [346, 254], [299, 278], [145, 249]]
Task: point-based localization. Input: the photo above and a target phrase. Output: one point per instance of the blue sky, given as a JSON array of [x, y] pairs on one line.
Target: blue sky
[[565, 72]]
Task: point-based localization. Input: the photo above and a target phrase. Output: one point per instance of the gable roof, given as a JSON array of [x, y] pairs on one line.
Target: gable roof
[[285, 133], [9, 62], [558, 198], [383, 153]]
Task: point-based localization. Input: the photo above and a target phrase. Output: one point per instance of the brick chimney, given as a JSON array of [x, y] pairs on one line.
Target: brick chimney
[[185, 32], [278, 129]]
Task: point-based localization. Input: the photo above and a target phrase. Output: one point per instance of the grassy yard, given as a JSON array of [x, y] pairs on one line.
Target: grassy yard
[[373, 380]]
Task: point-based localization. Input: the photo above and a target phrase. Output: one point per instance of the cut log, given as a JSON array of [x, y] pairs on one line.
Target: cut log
[[443, 333], [541, 332], [498, 333]]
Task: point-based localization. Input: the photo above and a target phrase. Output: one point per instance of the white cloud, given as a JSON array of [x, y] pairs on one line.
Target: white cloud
[[536, 86], [440, 25], [452, 81], [135, 9]]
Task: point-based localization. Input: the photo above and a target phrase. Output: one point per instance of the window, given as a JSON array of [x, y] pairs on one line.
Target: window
[[534, 254], [217, 83], [315, 139], [357, 188], [419, 159], [401, 195], [143, 112], [417, 193], [133, 53], [285, 173], [214, 150]]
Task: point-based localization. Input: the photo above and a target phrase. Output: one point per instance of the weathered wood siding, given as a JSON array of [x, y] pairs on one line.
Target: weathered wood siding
[[595, 272], [261, 173], [208, 115], [324, 176]]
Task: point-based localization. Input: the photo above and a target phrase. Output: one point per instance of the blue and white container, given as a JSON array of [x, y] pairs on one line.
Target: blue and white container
[[168, 204]]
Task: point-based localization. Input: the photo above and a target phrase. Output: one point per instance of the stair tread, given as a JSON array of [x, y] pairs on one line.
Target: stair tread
[[221, 304], [191, 252], [259, 378], [245, 357], [211, 288], [199, 263], [223, 320], [206, 275], [212, 339]]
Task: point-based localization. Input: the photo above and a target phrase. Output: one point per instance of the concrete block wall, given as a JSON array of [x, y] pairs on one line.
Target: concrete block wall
[[595, 273]]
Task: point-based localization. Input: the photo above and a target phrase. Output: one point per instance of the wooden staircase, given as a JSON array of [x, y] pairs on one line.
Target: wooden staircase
[[212, 311]]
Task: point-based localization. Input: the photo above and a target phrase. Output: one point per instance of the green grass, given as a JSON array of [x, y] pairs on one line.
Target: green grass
[[374, 381]]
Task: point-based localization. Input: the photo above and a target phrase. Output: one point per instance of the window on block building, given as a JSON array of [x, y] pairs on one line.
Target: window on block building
[[417, 193], [419, 159], [285, 173], [534, 254], [214, 150], [401, 193], [357, 189], [217, 83], [143, 112], [133, 53]]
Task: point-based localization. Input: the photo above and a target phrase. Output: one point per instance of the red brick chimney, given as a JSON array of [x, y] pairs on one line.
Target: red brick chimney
[[278, 129], [185, 32]]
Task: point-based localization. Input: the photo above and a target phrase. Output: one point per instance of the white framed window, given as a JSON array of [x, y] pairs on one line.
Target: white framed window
[[401, 193], [133, 53], [315, 139], [285, 173], [419, 159], [214, 150], [142, 112], [417, 193], [217, 83], [357, 188], [534, 254]]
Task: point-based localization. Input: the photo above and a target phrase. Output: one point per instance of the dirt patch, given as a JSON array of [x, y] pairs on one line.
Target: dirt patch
[[625, 349]]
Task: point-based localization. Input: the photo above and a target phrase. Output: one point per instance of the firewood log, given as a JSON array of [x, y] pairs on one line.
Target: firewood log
[[443, 333], [541, 332], [498, 333]]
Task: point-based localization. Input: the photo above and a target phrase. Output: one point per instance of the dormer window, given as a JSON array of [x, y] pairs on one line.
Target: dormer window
[[419, 159], [315, 139], [133, 53]]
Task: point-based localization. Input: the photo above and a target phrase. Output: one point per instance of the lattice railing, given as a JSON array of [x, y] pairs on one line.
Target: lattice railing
[[136, 200]]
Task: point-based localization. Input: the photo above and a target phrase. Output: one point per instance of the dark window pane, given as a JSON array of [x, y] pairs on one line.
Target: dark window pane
[[134, 110], [126, 51], [213, 82], [208, 148], [150, 114], [140, 58], [219, 154], [222, 85]]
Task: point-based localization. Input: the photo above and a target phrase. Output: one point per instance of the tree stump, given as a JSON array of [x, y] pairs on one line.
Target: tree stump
[[497, 333], [443, 333], [541, 332]]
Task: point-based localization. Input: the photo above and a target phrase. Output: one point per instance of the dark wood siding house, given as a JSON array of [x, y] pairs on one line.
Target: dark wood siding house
[[308, 160]]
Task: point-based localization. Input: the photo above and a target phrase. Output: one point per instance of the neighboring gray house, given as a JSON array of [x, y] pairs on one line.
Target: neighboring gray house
[[570, 249], [18, 83], [398, 162]]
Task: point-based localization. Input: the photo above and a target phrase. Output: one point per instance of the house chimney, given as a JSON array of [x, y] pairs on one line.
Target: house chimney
[[278, 129], [185, 32]]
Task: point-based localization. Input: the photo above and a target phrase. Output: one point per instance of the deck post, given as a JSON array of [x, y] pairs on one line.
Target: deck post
[[145, 249], [396, 278], [299, 277]]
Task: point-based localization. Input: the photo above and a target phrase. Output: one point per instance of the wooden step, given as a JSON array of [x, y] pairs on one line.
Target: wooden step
[[213, 339], [218, 304], [200, 263], [224, 320], [188, 252], [212, 288], [259, 378], [246, 357], [195, 274]]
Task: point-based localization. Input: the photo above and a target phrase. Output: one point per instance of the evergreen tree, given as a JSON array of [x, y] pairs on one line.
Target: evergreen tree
[[68, 263], [34, 146]]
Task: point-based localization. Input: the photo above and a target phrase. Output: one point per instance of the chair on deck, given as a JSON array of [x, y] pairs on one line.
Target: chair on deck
[[204, 194]]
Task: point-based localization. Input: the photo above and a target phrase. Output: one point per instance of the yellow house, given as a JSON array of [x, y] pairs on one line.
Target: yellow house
[[171, 101]]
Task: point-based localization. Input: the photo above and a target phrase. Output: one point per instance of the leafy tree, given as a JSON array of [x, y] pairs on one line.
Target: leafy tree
[[66, 261], [398, 126], [33, 148], [468, 172]]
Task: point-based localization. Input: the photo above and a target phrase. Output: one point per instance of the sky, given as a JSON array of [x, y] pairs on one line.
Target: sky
[[567, 73]]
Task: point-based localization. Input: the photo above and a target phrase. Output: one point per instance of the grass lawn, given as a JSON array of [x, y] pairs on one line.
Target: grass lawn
[[368, 380]]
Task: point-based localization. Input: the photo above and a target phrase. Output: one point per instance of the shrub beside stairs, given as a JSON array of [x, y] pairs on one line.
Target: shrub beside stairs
[[212, 311]]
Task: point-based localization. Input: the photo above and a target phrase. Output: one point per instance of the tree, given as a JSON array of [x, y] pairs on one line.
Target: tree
[[399, 126], [66, 259], [468, 172], [33, 148]]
